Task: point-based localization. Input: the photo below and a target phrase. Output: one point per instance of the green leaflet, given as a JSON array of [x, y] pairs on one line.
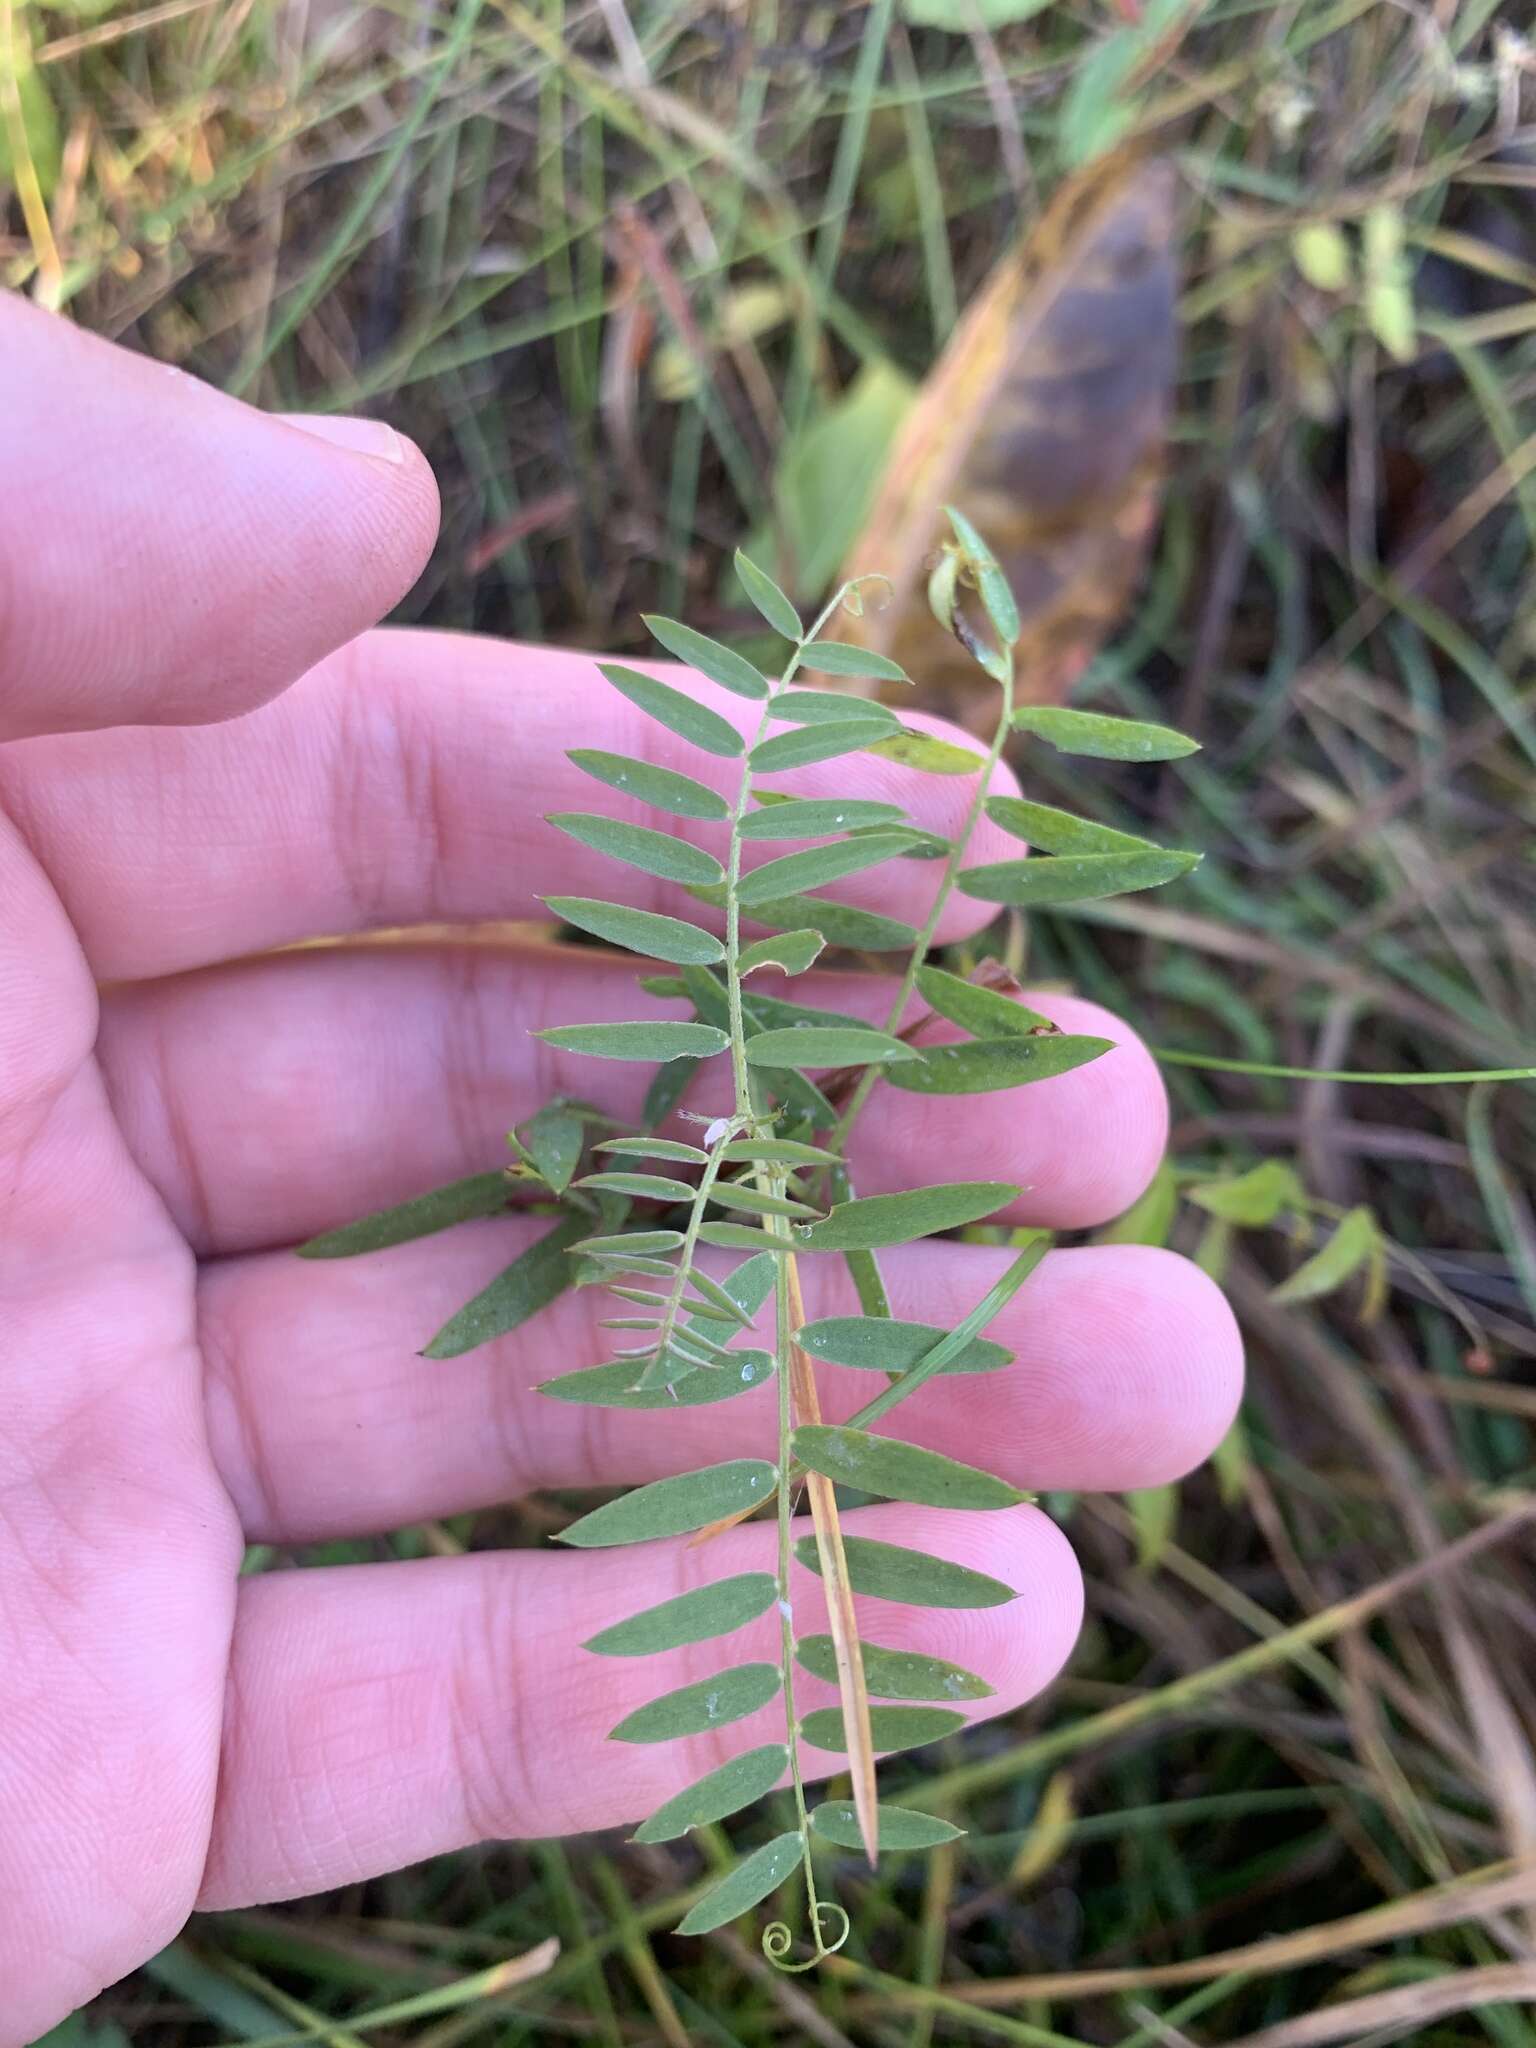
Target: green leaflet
[[900, 1828], [877, 1344], [692, 1709], [531, 1282], [482, 1194], [738, 1237], [895, 1674], [552, 1140], [811, 816], [813, 866], [694, 1617], [811, 743], [739, 1783], [1105, 739], [1075, 878], [984, 1012], [597, 1269], [613, 1386], [870, 1222], [838, 923], [674, 1507], [654, 1148], [838, 658], [887, 1571], [897, 1470], [663, 788], [652, 1187], [979, 1066], [790, 952], [669, 707], [1351, 1246], [918, 845], [756, 1203], [778, 1152], [732, 671], [643, 931], [826, 707], [626, 1245], [658, 1040], [1048, 830], [762, 1872], [752, 1201], [738, 1301], [654, 853], [766, 595], [929, 756], [708, 1312], [813, 1045], [889, 1727], [993, 586]]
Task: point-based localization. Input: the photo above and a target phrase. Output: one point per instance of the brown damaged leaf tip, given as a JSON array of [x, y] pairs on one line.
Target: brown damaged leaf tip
[[842, 1623], [1045, 421]]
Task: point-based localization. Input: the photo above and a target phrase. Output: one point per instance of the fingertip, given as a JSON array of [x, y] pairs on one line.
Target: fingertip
[[391, 491], [1140, 1391], [1108, 1119]]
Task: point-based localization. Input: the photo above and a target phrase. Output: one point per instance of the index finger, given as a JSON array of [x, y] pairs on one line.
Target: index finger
[[403, 781]]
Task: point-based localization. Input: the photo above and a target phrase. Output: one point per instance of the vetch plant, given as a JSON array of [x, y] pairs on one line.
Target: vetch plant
[[767, 1174]]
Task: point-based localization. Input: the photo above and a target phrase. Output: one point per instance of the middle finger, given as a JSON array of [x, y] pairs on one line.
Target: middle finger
[[280, 1097], [326, 1422]]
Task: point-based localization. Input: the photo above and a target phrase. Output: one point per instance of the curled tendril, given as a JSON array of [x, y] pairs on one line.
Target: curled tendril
[[851, 598], [778, 1941]]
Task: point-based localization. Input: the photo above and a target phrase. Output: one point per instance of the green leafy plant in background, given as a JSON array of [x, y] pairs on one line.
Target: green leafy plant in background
[[767, 1174]]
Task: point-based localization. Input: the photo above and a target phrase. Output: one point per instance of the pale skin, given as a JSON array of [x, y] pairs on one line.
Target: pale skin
[[208, 755]]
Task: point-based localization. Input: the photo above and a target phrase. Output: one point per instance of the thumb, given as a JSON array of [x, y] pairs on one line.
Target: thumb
[[171, 556]]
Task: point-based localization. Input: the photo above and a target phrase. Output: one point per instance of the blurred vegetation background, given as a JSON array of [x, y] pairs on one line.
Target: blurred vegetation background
[[645, 277]]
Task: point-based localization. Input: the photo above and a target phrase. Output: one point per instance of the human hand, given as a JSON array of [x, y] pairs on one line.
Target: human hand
[[173, 1382]]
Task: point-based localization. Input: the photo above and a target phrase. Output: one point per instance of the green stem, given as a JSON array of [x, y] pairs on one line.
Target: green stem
[[1461, 1077], [786, 1552], [746, 1116], [674, 1306], [839, 1140]]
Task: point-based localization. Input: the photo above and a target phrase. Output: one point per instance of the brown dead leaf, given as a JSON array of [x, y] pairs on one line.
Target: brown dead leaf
[[853, 1692], [1044, 421]]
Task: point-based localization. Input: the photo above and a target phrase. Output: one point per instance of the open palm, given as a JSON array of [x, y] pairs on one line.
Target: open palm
[[180, 1102]]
